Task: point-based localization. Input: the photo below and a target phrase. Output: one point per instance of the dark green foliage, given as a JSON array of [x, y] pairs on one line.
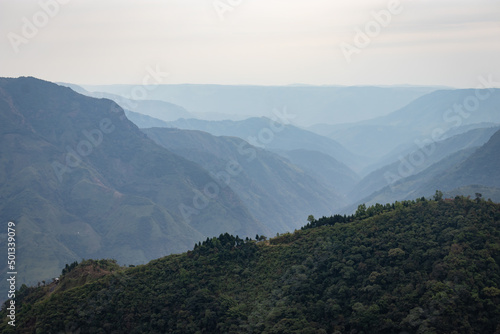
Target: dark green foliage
[[328, 221], [70, 267], [415, 266], [438, 196], [361, 213]]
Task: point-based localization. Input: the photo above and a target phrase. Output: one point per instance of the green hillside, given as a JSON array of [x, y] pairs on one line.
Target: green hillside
[[410, 267]]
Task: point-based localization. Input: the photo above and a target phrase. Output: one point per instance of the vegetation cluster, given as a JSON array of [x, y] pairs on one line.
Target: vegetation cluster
[[424, 266]]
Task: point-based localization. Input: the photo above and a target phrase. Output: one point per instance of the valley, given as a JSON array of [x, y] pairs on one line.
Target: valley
[[85, 177]]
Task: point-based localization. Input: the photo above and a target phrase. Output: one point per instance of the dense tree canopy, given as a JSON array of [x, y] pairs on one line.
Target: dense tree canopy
[[416, 266]]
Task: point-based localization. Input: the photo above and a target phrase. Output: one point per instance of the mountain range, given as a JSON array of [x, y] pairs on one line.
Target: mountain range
[[275, 135], [441, 122], [275, 191], [425, 119], [309, 104], [419, 160], [457, 173], [81, 180], [429, 129], [146, 109]]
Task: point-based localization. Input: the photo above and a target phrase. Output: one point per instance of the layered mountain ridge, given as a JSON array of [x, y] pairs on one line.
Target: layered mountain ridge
[[83, 181], [276, 192], [80, 180]]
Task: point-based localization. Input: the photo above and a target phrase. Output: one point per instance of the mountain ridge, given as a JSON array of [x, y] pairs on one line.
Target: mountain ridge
[[274, 190], [413, 266], [275, 135], [473, 166], [311, 104], [426, 118], [82, 181], [422, 157]]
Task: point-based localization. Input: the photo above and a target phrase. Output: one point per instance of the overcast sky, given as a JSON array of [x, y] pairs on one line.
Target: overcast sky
[[265, 42]]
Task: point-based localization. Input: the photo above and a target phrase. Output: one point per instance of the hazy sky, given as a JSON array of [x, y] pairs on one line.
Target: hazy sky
[[268, 42]]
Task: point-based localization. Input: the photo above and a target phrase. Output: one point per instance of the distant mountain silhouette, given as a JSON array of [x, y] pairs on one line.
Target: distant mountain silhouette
[[325, 168], [481, 168], [80, 180], [270, 134], [310, 104], [426, 118], [418, 159], [276, 192], [161, 110], [144, 121], [455, 174]]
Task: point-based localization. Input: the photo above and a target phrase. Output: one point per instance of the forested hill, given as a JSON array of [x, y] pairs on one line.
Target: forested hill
[[426, 266]]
